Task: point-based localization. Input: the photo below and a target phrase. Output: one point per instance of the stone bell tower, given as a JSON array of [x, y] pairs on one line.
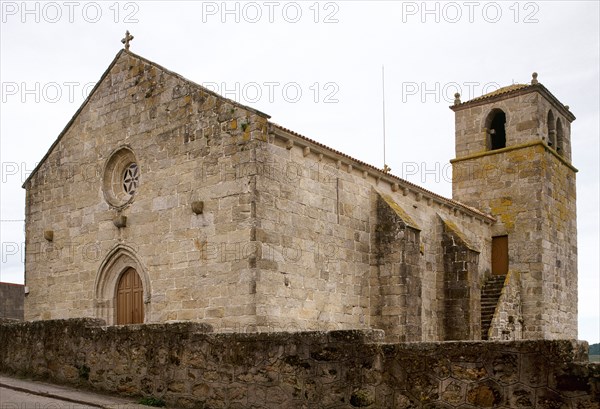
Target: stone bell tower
[[513, 160]]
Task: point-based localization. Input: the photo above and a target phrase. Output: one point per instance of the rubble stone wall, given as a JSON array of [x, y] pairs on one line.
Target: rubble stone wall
[[188, 366]]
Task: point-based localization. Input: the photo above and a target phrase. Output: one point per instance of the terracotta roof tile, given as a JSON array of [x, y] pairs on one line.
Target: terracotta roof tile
[[500, 91]]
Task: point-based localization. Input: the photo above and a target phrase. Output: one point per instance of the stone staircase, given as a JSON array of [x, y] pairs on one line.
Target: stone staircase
[[490, 293]]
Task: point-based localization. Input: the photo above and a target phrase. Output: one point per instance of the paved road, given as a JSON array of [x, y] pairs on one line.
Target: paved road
[[11, 399]]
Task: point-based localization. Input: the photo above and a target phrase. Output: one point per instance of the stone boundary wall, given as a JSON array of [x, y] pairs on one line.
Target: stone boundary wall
[[189, 366]]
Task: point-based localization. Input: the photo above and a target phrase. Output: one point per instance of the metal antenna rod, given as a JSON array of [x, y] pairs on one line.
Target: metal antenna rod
[[383, 108]]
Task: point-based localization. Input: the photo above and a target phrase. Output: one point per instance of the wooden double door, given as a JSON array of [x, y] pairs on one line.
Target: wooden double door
[[130, 298]]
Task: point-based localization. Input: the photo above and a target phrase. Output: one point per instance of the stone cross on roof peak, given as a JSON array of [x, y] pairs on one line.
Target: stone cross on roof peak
[[127, 39]]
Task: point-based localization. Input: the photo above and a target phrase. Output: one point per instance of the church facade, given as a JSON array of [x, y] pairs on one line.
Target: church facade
[[163, 201]]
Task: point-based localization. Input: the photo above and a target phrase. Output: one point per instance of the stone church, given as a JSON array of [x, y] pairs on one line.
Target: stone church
[[163, 201]]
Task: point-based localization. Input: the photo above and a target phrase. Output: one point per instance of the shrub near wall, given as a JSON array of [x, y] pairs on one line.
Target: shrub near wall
[[189, 366]]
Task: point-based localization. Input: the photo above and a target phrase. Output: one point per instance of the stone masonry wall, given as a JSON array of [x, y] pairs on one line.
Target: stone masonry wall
[[190, 145], [12, 297], [315, 243], [317, 220], [563, 136], [284, 238], [526, 117], [559, 245], [462, 291], [507, 323], [523, 188], [190, 367], [529, 187], [396, 299]]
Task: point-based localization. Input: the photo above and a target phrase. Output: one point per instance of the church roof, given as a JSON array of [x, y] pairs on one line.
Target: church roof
[[449, 202], [511, 91], [501, 91], [402, 182]]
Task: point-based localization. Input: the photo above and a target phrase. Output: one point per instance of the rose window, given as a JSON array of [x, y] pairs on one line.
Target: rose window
[[131, 178]]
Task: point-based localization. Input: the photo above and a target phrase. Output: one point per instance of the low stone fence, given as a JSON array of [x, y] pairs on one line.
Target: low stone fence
[[188, 366]]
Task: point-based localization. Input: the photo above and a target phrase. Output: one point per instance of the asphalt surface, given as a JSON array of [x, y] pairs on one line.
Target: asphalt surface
[[11, 399], [27, 394]]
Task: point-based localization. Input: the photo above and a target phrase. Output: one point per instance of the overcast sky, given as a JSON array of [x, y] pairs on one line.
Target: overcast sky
[[315, 67]]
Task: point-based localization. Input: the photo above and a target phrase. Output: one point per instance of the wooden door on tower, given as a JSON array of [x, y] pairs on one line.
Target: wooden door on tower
[[500, 255], [130, 299]]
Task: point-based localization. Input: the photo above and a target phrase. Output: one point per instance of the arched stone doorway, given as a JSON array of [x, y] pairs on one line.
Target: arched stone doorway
[[130, 298], [122, 283]]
